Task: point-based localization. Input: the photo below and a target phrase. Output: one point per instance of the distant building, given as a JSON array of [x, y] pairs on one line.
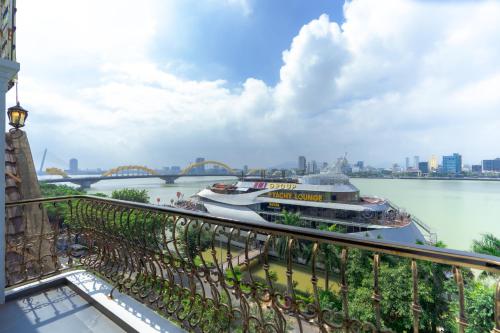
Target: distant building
[[324, 165], [491, 165], [308, 168], [314, 167], [396, 168], [416, 161], [73, 165], [360, 165], [175, 169], [477, 168], [302, 164], [245, 169], [452, 164], [433, 163], [423, 167], [200, 169], [407, 163]]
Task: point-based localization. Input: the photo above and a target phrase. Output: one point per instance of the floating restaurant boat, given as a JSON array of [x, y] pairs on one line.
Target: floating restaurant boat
[[320, 199]]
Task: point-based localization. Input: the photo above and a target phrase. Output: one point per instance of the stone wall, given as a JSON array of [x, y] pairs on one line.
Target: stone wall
[[29, 246]]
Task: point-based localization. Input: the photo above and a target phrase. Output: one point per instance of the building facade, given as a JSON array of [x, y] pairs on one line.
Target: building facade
[[200, 169], [477, 168], [433, 163], [491, 165], [73, 165], [423, 167], [416, 161], [314, 167], [302, 166], [452, 164]]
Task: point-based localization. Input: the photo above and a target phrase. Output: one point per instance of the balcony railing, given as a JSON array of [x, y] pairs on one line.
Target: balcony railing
[[170, 259]]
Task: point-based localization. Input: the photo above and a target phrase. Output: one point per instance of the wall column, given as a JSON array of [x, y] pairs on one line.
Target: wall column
[[8, 69]]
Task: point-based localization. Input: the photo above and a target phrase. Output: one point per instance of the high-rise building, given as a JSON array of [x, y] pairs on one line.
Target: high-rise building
[[452, 164], [73, 165], [302, 164], [314, 167], [433, 163], [324, 165], [491, 165], [407, 163], [200, 169], [416, 161], [360, 165], [423, 167], [308, 168]]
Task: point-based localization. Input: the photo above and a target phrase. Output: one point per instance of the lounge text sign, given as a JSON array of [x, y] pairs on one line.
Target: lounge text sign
[[296, 196]]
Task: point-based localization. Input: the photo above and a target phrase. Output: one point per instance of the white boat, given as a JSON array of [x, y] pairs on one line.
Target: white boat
[[320, 199]]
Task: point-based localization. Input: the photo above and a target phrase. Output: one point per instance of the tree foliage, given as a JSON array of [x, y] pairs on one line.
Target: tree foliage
[[479, 300], [488, 244], [53, 190], [131, 194]]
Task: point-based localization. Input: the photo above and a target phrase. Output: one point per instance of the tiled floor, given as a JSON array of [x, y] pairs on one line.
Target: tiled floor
[[55, 310]]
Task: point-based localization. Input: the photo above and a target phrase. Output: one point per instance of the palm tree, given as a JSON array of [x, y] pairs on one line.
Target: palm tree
[[488, 244], [331, 256], [302, 247]]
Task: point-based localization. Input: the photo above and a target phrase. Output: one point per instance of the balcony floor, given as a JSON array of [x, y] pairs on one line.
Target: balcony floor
[[55, 310]]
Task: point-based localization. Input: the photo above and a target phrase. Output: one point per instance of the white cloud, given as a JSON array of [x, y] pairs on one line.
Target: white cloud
[[396, 78]]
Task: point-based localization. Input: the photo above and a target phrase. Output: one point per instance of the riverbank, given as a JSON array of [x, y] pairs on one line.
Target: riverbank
[[495, 179]]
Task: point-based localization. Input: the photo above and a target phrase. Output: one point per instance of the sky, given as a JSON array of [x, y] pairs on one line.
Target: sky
[[258, 82]]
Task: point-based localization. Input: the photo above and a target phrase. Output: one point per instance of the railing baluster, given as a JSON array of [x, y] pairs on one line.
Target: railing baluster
[[376, 292], [344, 288], [156, 261], [462, 320], [497, 310], [416, 304]]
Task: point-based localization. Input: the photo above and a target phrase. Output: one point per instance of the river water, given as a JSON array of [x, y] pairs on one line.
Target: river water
[[457, 210]]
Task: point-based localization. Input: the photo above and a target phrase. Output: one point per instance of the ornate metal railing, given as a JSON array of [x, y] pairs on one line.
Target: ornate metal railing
[[288, 278]]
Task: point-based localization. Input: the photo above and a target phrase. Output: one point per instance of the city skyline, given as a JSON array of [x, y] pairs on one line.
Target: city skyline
[[332, 79], [303, 164]]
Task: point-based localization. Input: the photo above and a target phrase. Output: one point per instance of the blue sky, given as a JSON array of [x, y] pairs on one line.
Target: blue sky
[[259, 82], [234, 44]]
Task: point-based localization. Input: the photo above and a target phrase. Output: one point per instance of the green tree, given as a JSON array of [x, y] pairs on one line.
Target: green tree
[[479, 302], [331, 255], [53, 190], [131, 194], [301, 248], [289, 218], [488, 244], [188, 242]]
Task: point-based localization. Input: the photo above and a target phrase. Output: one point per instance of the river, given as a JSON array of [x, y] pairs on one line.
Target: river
[[457, 210]]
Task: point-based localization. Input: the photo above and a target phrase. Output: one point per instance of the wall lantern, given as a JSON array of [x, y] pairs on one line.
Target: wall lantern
[[17, 114]]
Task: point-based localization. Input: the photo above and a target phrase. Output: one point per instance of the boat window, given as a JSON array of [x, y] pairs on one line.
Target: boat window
[[334, 197]]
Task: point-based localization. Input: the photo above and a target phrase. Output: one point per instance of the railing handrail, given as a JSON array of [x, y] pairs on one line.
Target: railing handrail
[[413, 251]]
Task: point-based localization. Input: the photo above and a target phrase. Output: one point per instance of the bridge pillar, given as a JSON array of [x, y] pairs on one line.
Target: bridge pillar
[[85, 184], [169, 179]]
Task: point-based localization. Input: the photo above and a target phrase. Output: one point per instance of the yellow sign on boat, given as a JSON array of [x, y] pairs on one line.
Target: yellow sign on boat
[[282, 186], [296, 196]]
